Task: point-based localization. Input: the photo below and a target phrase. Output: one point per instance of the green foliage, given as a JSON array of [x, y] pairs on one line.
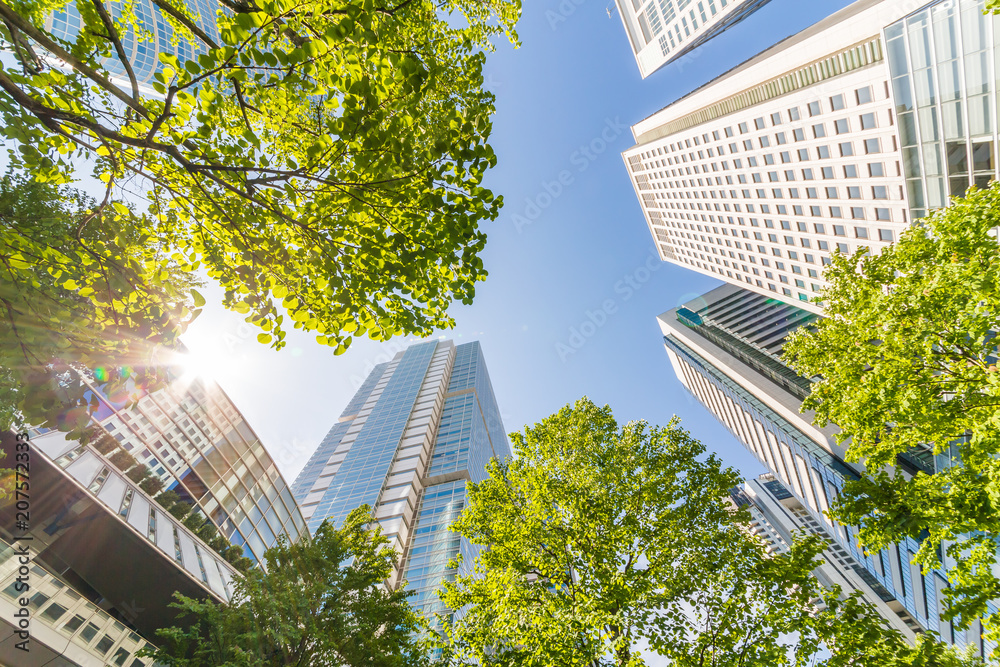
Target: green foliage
[[234, 556], [601, 537], [167, 499], [151, 485], [907, 360], [182, 512], [138, 474], [80, 285], [122, 460], [193, 520], [320, 602], [104, 443], [322, 161], [209, 535]]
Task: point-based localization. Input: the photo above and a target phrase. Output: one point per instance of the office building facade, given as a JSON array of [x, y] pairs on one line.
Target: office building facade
[[194, 440], [95, 559], [725, 348], [661, 31], [418, 428], [834, 139], [145, 34], [777, 516]]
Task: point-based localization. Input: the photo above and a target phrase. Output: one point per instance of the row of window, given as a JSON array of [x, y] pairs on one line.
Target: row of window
[[836, 103]]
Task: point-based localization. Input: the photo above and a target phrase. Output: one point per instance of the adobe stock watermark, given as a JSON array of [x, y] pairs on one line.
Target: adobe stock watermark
[[562, 12], [581, 159], [595, 319]]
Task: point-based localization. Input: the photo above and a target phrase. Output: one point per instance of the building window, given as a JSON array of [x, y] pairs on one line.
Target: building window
[[882, 214], [793, 113], [863, 95], [860, 232], [868, 121], [885, 235], [850, 171], [857, 213], [846, 149], [837, 102], [872, 146], [814, 109], [819, 131], [841, 126]]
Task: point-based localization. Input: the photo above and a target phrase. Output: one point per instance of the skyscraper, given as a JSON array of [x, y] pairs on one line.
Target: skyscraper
[[660, 31], [777, 516], [191, 437], [155, 34], [724, 348], [835, 138], [88, 555], [418, 428]]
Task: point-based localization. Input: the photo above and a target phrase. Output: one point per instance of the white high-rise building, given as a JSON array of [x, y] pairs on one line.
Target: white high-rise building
[[725, 348], [660, 31], [776, 516], [828, 140]]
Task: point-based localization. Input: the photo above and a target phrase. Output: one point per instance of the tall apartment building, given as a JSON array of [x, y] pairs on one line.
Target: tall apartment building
[[93, 560], [777, 516], [835, 138], [661, 31], [419, 428], [725, 349]]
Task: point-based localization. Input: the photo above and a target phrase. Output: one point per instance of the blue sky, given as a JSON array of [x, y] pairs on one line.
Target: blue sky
[[569, 253]]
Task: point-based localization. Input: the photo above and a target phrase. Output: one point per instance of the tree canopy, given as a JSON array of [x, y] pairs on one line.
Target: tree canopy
[[600, 537], [322, 161], [320, 602], [85, 285], [906, 361]]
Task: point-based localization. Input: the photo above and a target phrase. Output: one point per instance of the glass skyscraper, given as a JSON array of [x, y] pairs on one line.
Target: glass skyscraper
[[725, 349], [154, 35], [418, 428], [942, 61], [193, 439], [105, 557]]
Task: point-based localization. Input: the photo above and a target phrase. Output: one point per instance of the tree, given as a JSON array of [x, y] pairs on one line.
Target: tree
[[322, 160], [80, 285], [598, 537], [906, 360], [319, 602]]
